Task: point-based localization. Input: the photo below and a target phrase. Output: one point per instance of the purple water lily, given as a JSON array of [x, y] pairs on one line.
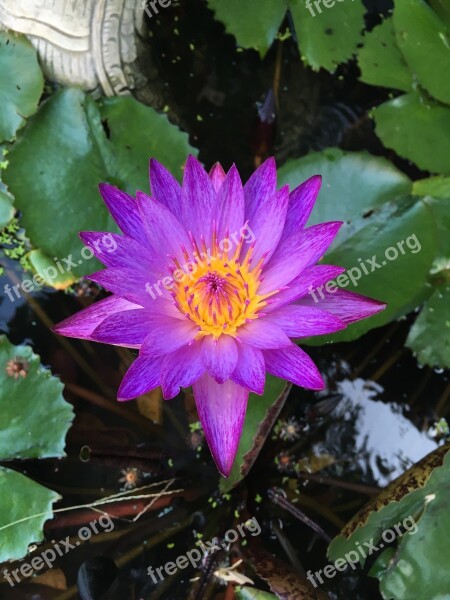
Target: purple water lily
[[210, 282]]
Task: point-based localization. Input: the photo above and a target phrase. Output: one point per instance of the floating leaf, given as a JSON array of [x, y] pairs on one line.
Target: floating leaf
[[21, 83], [22, 500], [439, 190], [6, 209], [416, 129], [353, 183], [138, 132], [424, 41], [438, 187], [254, 23], [34, 416], [417, 503], [388, 257], [64, 153], [34, 420], [429, 337], [262, 412], [381, 61], [328, 35]]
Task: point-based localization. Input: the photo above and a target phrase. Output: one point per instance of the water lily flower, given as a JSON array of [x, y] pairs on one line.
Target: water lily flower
[[211, 281]]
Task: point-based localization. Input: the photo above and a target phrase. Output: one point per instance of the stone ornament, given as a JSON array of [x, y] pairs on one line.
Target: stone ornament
[[90, 43]]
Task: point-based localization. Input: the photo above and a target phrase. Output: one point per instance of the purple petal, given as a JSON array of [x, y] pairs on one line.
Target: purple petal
[[198, 200], [261, 186], [119, 251], [347, 306], [128, 283], [301, 203], [124, 210], [180, 369], [168, 335], [217, 176], [297, 253], [308, 280], [294, 365], [164, 230], [268, 224], [229, 213], [82, 324], [143, 376], [250, 371], [303, 321], [129, 328], [219, 356], [221, 408], [263, 334], [164, 187]]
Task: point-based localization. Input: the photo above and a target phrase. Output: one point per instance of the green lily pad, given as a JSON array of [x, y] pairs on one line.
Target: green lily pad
[[254, 23], [438, 191], [438, 187], [429, 337], [64, 153], [262, 412], [6, 209], [34, 420], [21, 83], [137, 132], [396, 246], [328, 34], [413, 513], [381, 61], [416, 129], [34, 416], [22, 498], [353, 183], [424, 40]]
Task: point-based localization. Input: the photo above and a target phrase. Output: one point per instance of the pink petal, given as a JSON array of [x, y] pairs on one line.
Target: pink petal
[[250, 371], [167, 335], [217, 176], [261, 186], [301, 203], [164, 187], [180, 369], [129, 283], [309, 280], [303, 321], [229, 213], [221, 408], [128, 328], [198, 199], [143, 376], [297, 253], [82, 324], [294, 365], [263, 334], [119, 251], [124, 210], [219, 356], [165, 232], [268, 224], [347, 306]]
